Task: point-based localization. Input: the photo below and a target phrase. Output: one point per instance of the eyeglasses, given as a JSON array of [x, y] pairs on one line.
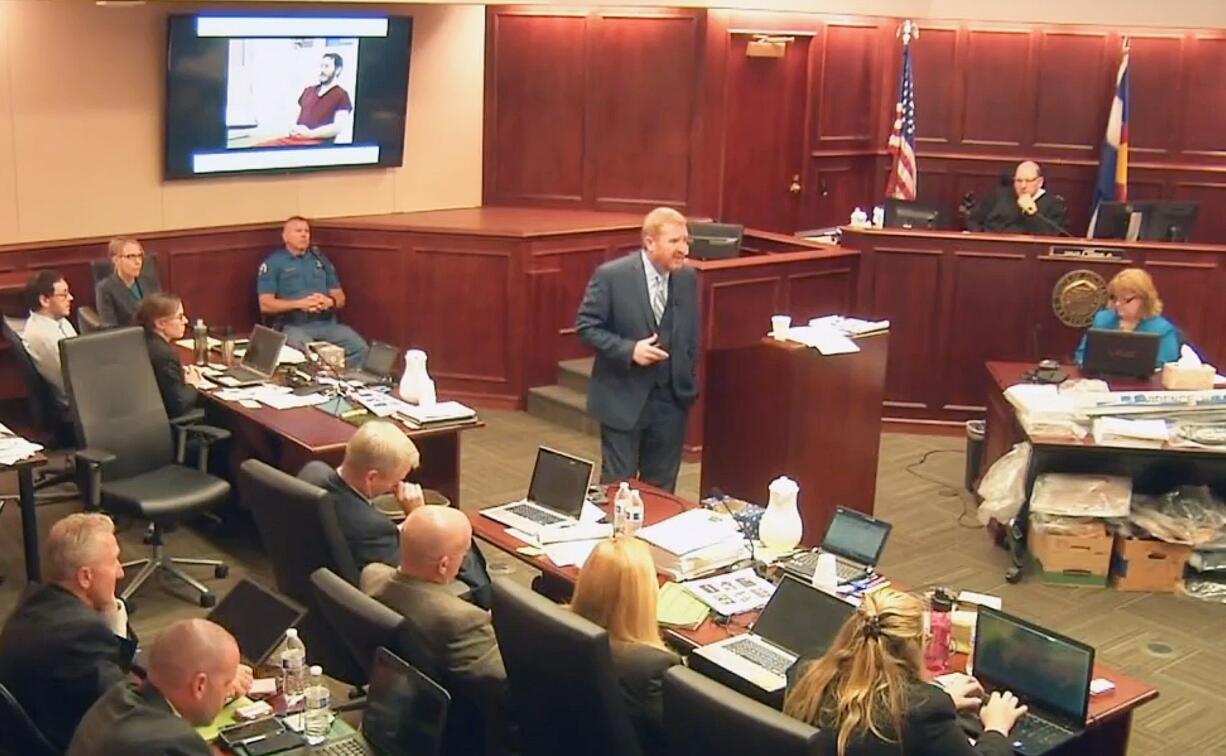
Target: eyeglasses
[[61, 294], [1025, 180], [1124, 300], [133, 257]]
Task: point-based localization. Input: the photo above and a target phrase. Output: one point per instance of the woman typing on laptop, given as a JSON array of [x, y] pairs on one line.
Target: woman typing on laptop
[[869, 694], [618, 590], [1134, 306]]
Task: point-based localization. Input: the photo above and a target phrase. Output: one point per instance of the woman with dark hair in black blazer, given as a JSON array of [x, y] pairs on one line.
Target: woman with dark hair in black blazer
[[161, 315]]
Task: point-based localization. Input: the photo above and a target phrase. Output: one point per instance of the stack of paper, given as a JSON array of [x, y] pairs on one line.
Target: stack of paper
[[694, 543], [438, 413], [733, 593], [677, 608], [1139, 434], [825, 340], [851, 326], [14, 448]]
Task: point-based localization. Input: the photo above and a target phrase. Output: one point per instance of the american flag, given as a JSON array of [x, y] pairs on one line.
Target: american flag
[[903, 174]]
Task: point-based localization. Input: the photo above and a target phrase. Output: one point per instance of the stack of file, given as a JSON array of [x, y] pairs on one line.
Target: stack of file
[[695, 543], [677, 608], [441, 413], [1137, 434]]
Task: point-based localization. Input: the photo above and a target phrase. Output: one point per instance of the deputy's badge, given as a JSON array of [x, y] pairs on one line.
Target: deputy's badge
[[1077, 296], [263, 268]]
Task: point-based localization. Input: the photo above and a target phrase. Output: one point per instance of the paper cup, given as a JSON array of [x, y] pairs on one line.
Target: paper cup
[[780, 325]]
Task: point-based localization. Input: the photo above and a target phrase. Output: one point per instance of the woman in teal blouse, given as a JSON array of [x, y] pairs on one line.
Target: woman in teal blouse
[[1133, 305]]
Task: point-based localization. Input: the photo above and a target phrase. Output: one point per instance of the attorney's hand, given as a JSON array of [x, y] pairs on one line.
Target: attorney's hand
[[241, 684], [647, 353], [409, 497]]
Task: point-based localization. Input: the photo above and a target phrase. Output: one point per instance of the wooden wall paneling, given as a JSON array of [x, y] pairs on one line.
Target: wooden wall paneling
[[997, 89], [935, 186], [536, 97], [814, 293], [903, 284], [216, 280], [1075, 183], [544, 312], [1056, 340], [848, 82], [708, 161], [1204, 117], [1072, 91], [1193, 311], [1154, 79], [573, 263], [937, 94], [738, 311], [645, 67], [1211, 194], [473, 348], [837, 185], [764, 137], [373, 271], [987, 320]]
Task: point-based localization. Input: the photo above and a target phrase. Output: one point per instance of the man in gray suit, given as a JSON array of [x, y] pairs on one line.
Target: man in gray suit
[[640, 314], [191, 668]]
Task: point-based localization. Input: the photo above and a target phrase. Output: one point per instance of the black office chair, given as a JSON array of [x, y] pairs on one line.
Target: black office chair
[[19, 736], [89, 321], [704, 718], [130, 455], [51, 425], [360, 621], [563, 688], [298, 527]]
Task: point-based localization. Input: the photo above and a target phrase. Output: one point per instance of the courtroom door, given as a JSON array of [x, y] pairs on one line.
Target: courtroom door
[[764, 144]]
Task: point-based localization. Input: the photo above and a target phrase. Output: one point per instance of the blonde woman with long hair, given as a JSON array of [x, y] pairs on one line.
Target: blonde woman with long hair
[[1133, 305], [618, 590], [868, 694]]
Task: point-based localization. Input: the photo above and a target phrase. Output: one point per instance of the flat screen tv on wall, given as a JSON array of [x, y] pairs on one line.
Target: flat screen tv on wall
[[273, 94]]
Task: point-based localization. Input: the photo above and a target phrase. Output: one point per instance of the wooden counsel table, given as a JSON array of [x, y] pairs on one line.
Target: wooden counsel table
[[287, 439], [1110, 718]]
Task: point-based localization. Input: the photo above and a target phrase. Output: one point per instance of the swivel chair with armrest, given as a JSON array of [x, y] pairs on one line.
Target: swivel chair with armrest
[[88, 320], [19, 736], [362, 622], [131, 455], [297, 525], [563, 689], [704, 718]]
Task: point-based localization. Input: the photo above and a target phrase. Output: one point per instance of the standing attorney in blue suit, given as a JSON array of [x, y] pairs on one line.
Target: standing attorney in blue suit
[[640, 314]]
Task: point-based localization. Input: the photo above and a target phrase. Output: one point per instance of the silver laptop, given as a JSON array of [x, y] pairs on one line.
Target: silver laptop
[[855, 539], [555, 495], [378, 367], [259, 361], [798, 621]]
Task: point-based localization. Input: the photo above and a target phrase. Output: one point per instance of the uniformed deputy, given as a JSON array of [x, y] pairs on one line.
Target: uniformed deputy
[[300, 291]]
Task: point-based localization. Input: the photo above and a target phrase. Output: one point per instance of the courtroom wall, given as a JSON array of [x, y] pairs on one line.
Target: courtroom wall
[[81, 93]]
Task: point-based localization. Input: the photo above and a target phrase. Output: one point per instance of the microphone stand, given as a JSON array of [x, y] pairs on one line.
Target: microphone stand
[[759, 569], [1050, 223]]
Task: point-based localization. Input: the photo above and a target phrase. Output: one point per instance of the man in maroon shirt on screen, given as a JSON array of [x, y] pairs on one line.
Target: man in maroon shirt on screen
[[325, 109]]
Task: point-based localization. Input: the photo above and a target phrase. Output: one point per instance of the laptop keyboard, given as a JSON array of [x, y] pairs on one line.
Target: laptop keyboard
[[806, 564], [244, 374], [538, 516], [759, 654], [1038, 732], [346, 747]]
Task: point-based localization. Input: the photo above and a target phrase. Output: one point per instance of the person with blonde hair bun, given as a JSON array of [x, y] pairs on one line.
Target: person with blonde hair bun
[[869, 696], [618, 590], [1133, 305]]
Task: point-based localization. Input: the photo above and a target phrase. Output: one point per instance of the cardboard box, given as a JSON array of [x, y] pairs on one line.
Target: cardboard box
[[1140, 565], [1072, 559]]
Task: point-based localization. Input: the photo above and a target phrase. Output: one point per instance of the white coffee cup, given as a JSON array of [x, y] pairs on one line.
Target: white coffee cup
[[780, 325], [826, 575]]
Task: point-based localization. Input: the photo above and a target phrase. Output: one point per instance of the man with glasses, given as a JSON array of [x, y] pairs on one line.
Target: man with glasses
[[50, 304], [1028, 209], [119, 295]]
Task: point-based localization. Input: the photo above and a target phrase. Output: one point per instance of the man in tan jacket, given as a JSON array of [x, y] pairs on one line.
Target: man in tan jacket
[[456, 639]]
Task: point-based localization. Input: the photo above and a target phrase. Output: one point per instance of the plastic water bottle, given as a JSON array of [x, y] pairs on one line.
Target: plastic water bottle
[[200, 342], [318, 714], [936, 655], [293, 664], [620, 502], [633, 514]]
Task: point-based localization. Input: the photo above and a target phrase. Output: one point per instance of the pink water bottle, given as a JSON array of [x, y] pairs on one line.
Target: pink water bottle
[[936, 655]]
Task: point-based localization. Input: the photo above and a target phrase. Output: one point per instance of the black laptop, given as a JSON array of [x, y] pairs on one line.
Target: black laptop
[[378, 367], [406, 714], [1050, 674], [855, 539], [1121, 353], [257, 618], [259, 361]]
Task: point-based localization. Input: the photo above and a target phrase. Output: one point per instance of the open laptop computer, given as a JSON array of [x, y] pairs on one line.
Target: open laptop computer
[[855, 539], [378, 367], [555, 495], [259, 361], [798, 621], [406, 714], [1121, 353], [1049, 672], [257, 618]]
